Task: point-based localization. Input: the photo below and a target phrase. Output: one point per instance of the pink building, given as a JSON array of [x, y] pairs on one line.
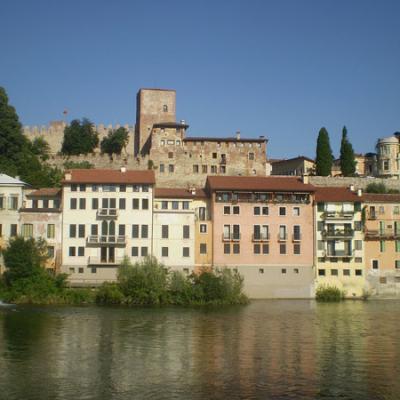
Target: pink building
[[263, 228]]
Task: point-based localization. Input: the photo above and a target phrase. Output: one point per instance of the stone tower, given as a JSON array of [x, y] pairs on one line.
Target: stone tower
[[152, 106]]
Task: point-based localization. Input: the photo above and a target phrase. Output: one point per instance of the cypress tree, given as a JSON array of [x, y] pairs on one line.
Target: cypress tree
[[347, 160], [324, 158]]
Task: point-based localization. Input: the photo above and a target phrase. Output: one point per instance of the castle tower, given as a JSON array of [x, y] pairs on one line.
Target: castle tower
[[152, 106]]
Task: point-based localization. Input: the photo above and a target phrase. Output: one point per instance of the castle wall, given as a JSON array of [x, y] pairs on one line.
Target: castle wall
[[359, 183]]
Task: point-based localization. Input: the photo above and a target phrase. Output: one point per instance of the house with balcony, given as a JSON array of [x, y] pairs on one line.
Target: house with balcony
[[262, 228], [339, 238], [107, 215], [381, 214], [41, 217]]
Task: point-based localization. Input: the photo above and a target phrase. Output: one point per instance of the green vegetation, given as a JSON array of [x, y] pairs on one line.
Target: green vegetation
[[347, 160], [380, 188], [79, 138], [78, 165], [324, 158], [326, 293], [150, 283], [18, 156], [115, 141], [41, 148]]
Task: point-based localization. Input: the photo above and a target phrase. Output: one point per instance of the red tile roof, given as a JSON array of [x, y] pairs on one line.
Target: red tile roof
[[381, 198], [264, 183], [109, 176], [167, 193], [336, 194], [45, 192]]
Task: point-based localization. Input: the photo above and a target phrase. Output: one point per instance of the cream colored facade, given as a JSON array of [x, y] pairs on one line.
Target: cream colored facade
[[103, 223], [297, 166], [340, 255], [203, 234], [388, 153]]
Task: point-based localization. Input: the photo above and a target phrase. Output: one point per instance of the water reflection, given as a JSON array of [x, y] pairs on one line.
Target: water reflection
[[269, 349]]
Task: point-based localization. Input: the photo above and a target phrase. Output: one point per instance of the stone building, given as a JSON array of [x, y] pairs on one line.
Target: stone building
[[297, 166], [388, 156]]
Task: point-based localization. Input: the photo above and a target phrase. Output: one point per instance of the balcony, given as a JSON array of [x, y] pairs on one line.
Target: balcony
[[338, 254], [296, 237], [231, 237], [282, 237], [381, 234], [106, 262], [107, 213], [338, 215], [260, 237], [338, 233], [104, 240]]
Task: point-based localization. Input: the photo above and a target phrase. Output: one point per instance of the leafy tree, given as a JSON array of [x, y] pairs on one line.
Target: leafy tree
[[79, 138], [24, 258], [347, 160], [40, 147], [380, 188], [78, 165], [115, 141], [324, 157]]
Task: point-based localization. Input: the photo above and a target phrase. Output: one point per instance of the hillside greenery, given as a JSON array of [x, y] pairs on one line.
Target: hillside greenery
[[115, 141], [80, 137], [380, 188]]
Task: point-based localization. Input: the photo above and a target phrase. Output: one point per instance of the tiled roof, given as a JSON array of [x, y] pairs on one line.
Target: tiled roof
[[223, 139], [267, 183], [381, 198], [336, 194], [6, 180], [45, 192], [167, 193], [109, 176]]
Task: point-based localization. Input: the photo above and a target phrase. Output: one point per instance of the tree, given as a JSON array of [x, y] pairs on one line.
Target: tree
[[347, 161], [79, 138], [41, 148], [115, 141], [24, 258], [324, 158]]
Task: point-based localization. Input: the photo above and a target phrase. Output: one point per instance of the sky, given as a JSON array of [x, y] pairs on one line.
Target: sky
[[282, 69]]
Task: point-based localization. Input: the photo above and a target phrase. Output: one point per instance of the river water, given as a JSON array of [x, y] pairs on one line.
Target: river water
[[266, 350]]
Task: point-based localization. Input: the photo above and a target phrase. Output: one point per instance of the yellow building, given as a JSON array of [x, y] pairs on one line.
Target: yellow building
[[339, 240]]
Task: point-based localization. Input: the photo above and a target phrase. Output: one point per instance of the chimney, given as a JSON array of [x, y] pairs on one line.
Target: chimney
[[351, 187], [67, 176], [123, 169], [237, 135], [359, 192], [306, 179]]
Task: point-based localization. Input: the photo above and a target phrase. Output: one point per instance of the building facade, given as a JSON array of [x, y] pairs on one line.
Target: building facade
[[297, 166], [388, 156]]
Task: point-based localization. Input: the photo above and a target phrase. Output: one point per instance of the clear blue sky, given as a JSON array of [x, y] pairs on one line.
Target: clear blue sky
[[276, 68]]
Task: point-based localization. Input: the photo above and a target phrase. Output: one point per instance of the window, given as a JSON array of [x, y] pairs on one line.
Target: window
[[93, 270], [35, 203], [1, 230], [261, 270], [81, 251], [195, 169], [213, 169], [251, 156], [358, 272], [72, 231], [185, 205], [71, 251], [358, 259], [186, 231], [283, 270], [145, 231], [282, 232], [74, 187], [51, 231], [145, 204], [162, 168], [121, 229], [1, 202], [82, 204], [95, 204], [227, 248], [382, 246], [27, 230], [162, 143], [164, 251], [358, 244], [95, 188], [204, 169], [296, 270], [236, 248], [296, 211], [45, 203], [236, 210], [296, 248], [135, 204], [265, 248], [165, 108], [203, 248], [282, 211], [334, 272], [257, 211], [164, 231], [346, 272], [227, 210], [397, 264], [122, 188], [71, 270], [175, 205], [81, 231], [72, 204], [109, 188], [135, 231], [203, 228], [136, 188], [185, 252], [144, 251], [214, 155], [397, 246], [320, 226], [50, 251], [282, 248], [122, 204], [265, 211], [375, 264], [296, 232], [257, 249], [357, 225], [222, 169], [13, 230], [82, 187], [171, 168], [80, 270], [396, 210], [94, 230], [135, 251], [321, 272]]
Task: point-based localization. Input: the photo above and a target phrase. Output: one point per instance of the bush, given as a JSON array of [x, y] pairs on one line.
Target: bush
[[180, 289], [109, 293], [326, 293]]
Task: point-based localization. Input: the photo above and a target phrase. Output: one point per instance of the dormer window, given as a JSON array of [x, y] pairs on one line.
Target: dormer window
[[165, 108]]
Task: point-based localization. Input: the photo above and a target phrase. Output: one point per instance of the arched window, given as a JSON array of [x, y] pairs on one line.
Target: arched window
[[111, 228], [104, 228], [165, 108]]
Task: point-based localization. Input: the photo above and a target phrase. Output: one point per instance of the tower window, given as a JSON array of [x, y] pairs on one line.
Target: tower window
[[165, 108]]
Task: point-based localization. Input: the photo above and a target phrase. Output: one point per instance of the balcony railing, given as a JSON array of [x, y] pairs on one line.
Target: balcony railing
[[338, 233], [338, 215], [261, 237], [339, 254], [231, 237], [107, 213], [107, 261], [282, 236], [107, 240], [382, 234]]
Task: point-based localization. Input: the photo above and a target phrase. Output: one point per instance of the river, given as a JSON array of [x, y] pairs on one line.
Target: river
[[266, 350]]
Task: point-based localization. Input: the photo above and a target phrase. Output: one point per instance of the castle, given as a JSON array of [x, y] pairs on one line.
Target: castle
[[157, 141]]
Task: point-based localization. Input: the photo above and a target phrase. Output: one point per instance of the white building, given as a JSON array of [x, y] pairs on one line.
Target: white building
[[107, 214]]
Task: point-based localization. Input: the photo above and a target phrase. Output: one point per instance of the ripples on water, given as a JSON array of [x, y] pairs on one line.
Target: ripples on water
[[267, 350]]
